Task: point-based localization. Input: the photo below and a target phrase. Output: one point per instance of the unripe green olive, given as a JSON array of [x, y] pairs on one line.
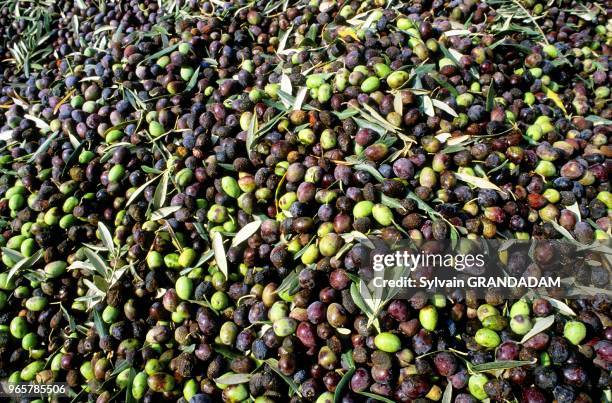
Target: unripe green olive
[[387, 342]]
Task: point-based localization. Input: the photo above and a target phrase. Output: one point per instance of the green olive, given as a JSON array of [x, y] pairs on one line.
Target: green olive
[[363, 209], [187, 257], [382, 214], [574, 331], [520, 307], [476, 385], [428, 317], [184, 287], [116, 173], [487, 338], [370, 84], [230, 186], [388, 342]]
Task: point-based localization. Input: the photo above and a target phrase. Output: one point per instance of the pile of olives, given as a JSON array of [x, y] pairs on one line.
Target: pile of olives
[[187, 190]]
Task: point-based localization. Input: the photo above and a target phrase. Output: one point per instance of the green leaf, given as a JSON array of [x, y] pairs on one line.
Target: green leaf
[[164, 212], [358, 298], [376, 397], [342, 385], [69, 318], [453, 149], [371, 170], [290, 284], [347, 113], [225, 352], [159, 197], [233, 379], [140, 189], [246, 232], [100, 326], [193, 80], [422, 205], [564, 232], [540, 325], [43, 147], [220, 257], [97, 263], [13, 254], [490, 97], [447, 397], [452, 90], [128, 389], [159, 54], [428, 107], [598, 120], [391, 202], [24, 263], [497, 365], [477, 182], [125, 364], [293, 388], [106, 237], [560, 306], [444, 106]]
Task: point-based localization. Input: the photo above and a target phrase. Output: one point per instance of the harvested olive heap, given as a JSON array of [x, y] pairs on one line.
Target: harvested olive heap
[[187, 190]]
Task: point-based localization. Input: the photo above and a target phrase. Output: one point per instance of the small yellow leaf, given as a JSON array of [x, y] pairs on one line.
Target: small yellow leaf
[[343, 32], [556, 99]]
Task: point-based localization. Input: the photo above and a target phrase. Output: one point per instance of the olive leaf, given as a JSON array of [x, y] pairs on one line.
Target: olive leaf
[[293, 388], [41, 124], [428, 107], [598, 120], [560, 306], [159, 54], [444, 106], [97, 263], [43, 147], [391, 202], [497, 365], [125, 364], [106, 237], [453, 149], [398, 105], [299, 99], [12, 254], [550, 94], [220, 257], [24, 263], [233, 379], [193, 80], [290, 284], [164, 212], [477, 181], [490, 97], [69, 318], [347, 113], [342, 384], [371, 170], [99, 324], [540, 325], [159, 197], [564, 232], [358, 299], [576, 210], [283, 41], [442, 82], [246, 232], [129, 398], [447, 397], [376, 397]]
